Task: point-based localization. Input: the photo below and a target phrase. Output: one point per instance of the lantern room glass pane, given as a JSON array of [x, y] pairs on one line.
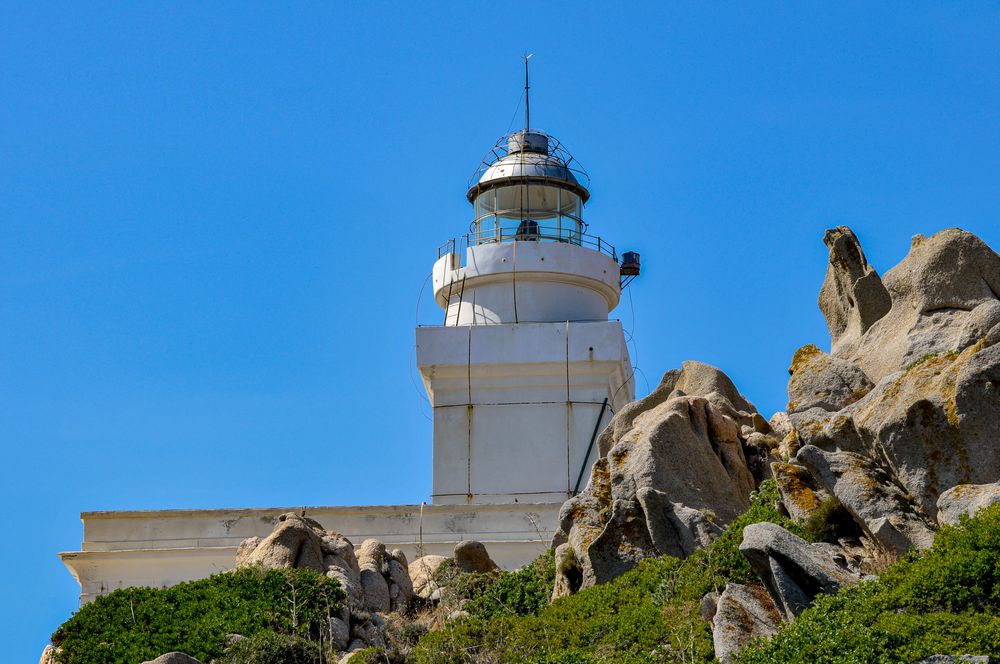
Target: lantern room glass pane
[[527, 212]]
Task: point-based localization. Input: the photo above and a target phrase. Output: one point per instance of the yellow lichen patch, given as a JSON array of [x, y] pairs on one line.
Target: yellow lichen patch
[[601, 481], [793, 487], [620, 454], [586, 534], [858, 395], [802, 357]]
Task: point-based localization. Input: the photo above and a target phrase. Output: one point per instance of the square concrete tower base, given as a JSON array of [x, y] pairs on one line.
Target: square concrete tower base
[[516, 406]]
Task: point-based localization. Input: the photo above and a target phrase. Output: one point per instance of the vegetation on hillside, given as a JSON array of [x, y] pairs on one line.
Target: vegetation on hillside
[[650, 614], [136, 624], [943, 601]]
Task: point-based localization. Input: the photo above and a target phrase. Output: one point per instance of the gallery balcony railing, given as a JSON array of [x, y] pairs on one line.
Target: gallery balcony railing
[[527, 232]]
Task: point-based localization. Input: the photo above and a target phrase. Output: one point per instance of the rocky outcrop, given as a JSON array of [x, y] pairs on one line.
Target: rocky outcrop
[[918, 433], [338, 634], [375, 581], [673, 470], [742, 614], [870, 495], [294, 542], [794, 572], [966, 500], [422, 572], [48, 655], [852, 297], [906, 405], [944, 296], [823, 381], [472, 556]]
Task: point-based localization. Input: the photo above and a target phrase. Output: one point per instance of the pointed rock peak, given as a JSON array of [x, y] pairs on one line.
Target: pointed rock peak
[[852, 297]]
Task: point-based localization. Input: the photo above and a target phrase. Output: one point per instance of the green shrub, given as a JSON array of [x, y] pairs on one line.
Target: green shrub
[[944, 601], [136, 624], [273, 648], [829, 521], [523, 592]]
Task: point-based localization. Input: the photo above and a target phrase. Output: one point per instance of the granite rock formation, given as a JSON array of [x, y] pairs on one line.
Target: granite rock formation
[[966, 500], [905, 407], [674, 468], [471, 556], [794, 572], [742, 614], [374, 580]]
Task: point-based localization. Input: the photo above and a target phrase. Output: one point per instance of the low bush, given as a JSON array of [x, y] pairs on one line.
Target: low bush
[[272, 648], [137, 624], [523, 592], [830, 521]]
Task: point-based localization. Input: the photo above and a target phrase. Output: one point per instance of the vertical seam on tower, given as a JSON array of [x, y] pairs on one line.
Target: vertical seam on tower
[[569, 412], [567, 361], [513, 278], [468, 417]]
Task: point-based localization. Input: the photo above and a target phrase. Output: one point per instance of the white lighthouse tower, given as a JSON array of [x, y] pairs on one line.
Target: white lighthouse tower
[[523, 373], [526, 368]]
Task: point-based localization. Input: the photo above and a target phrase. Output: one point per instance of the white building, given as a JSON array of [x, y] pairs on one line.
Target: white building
[[522, 375], [523, 371]]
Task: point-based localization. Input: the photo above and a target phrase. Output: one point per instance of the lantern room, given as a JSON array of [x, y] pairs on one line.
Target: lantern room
[[528, 188]]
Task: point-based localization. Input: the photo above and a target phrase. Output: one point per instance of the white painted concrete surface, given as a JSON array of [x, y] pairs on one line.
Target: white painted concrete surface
[[516, 282], [518, 374], [164, 547], [516, 406]]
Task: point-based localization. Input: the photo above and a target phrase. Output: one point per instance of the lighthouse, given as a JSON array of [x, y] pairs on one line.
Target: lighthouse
[[523, 371], [525, 368]]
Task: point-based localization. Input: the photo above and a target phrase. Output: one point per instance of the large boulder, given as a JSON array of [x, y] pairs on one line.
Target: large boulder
[[794, 572], [824, 381], [294, 542], [966, 500], [351, 584], [338, 634], [422, 574], [372, 560], [472, 556], [870, 495], [400, 584], [672, 470], [742, 614]]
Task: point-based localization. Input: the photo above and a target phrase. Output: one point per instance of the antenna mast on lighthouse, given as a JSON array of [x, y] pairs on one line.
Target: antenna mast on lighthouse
[[527, 103]]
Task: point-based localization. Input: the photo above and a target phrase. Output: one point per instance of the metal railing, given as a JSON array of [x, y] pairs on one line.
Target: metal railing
[[457, 245], [555, 149]]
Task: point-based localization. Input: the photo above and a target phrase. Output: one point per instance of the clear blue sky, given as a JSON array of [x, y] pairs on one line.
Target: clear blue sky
[[215, 220]]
